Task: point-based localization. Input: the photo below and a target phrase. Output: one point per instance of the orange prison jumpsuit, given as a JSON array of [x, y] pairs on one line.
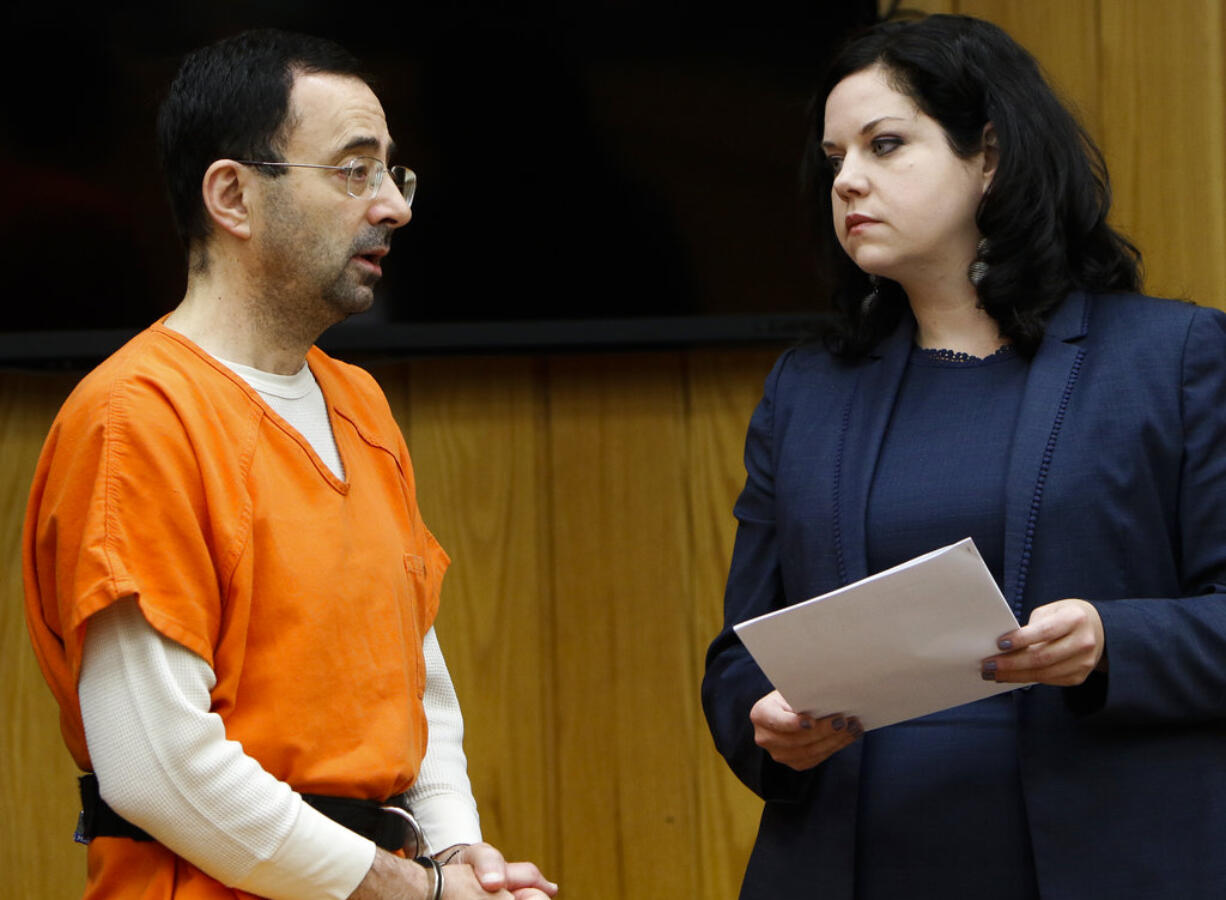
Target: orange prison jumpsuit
[[165, 476]]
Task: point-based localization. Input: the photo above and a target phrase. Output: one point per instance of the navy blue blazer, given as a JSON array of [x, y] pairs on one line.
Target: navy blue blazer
[[1116, 493]]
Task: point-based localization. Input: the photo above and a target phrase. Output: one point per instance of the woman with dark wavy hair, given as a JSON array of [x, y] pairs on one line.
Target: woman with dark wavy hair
[[992, 373]]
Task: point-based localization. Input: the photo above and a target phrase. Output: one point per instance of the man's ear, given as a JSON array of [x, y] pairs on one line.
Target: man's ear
[[991, 155], [225, 192]]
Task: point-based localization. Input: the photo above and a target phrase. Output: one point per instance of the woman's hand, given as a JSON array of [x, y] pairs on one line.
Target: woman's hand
[[796, 740], [1062, 644]]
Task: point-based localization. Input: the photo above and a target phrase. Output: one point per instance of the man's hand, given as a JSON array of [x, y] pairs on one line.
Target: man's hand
[[796, 740], [1061, 645], [523, 879], [394, 878]]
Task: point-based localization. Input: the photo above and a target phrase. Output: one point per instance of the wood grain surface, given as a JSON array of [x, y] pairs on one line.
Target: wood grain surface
[[38, 795]]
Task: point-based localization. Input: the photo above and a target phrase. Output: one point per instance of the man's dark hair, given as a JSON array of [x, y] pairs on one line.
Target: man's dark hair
[[1045, 213], [230, 100]]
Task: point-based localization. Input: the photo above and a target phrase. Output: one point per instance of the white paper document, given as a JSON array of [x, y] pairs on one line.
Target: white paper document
[[902, 643]]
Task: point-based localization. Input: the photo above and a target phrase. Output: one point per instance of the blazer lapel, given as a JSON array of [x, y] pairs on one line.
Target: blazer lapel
[[863, 430], [1053, 374]]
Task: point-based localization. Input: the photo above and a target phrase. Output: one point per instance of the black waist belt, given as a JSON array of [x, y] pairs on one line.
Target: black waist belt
[[386, 823]]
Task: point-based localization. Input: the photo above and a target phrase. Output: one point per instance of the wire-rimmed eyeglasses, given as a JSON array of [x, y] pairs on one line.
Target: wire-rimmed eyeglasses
[[363, 176]]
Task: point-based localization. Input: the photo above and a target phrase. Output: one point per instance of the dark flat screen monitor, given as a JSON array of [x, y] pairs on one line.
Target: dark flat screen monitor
[[607, 174]]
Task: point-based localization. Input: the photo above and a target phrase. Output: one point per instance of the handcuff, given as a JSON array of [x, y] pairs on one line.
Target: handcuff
[[414, 848], [414, 838]]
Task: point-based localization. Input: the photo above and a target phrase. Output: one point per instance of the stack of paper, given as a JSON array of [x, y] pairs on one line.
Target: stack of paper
[[902, 643]]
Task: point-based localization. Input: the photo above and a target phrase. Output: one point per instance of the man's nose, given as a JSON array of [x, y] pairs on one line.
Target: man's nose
[[389, 206]]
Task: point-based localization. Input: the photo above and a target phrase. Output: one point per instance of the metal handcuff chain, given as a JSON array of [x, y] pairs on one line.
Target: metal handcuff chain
[[414, 849], [415, 840]]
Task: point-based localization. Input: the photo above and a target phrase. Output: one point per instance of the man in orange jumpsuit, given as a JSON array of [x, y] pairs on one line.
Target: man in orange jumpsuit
[[229, 586]]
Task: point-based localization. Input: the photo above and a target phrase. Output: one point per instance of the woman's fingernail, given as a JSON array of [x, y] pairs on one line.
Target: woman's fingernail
[[988, 673], [838, 723], [1005, 644], [806, 724], [855, 728]]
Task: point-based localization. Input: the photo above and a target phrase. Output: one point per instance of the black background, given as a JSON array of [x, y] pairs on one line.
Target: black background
[[582, 163]]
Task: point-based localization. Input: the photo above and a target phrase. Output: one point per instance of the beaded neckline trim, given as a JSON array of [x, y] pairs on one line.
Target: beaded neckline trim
[[957, 356]]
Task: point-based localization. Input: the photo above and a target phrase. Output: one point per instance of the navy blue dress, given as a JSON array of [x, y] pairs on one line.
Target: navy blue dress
[[940, 809]]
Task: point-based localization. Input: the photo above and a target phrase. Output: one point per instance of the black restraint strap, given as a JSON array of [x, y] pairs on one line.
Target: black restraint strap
[[366, 817]]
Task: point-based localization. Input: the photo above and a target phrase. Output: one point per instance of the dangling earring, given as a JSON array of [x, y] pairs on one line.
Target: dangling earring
[[979, 268], [870, 299]]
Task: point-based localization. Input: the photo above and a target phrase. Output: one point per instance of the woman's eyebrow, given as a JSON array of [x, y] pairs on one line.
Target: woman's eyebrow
[[866, 128]]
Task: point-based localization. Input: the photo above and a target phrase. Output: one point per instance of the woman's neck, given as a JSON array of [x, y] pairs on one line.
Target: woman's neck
[[950, 318]]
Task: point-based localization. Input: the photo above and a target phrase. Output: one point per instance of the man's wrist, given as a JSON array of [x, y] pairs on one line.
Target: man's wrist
[[392, 876], [435, 872]]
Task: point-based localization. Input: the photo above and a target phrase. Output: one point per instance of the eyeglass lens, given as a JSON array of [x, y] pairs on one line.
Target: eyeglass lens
[[405, 180], [365, 177]]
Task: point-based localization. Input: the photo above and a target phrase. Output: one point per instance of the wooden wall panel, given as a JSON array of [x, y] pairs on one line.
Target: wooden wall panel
[[1063, 36], [622, 573], [37, 778], [475, 428], [618, 639], [724, 387], [1164, 133], [1149, 82], [928, 7]]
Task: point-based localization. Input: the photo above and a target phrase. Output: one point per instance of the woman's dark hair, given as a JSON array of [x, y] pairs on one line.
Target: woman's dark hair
[[1045, 213], [230, 100]]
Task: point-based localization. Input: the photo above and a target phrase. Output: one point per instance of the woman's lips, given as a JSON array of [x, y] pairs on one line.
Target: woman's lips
[[856, 223]]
